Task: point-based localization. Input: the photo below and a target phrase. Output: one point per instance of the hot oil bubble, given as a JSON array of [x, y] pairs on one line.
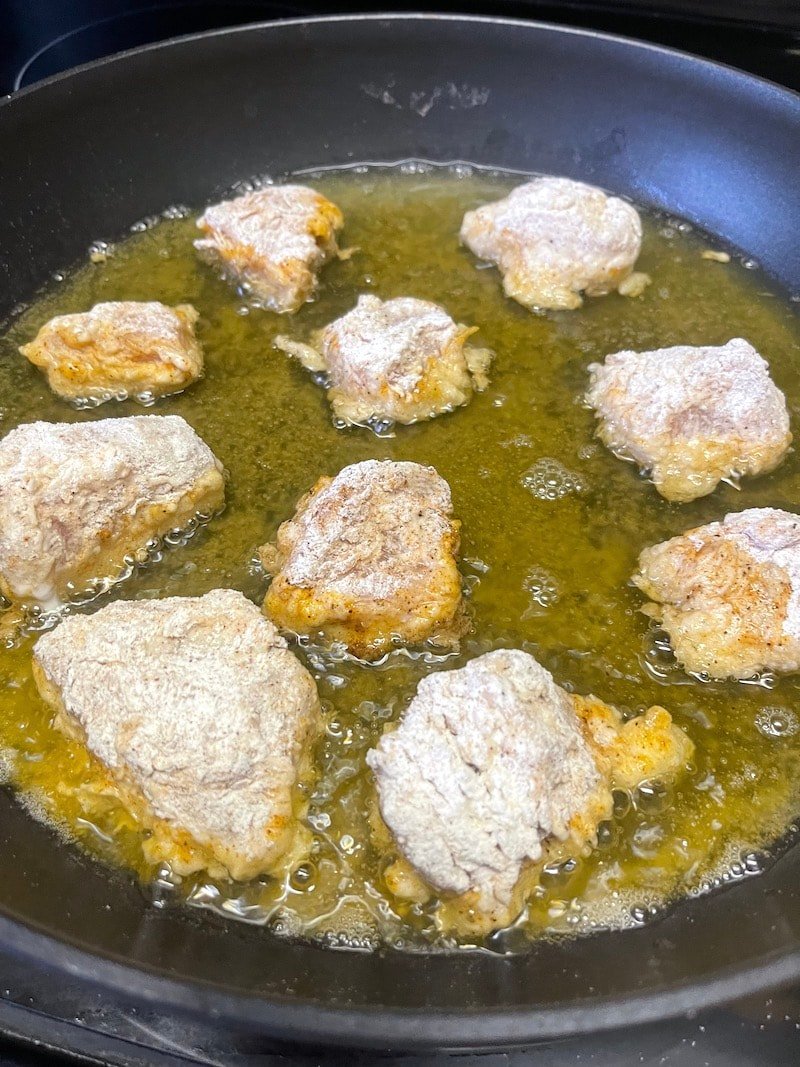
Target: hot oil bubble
[[520, 440], [348, 844], [622, 803], [303, 878], [285, 924], [542, 591], [320, 821], [176, 211], [382, 427], [753, 863], [149, 222], [647, 841], [99, 251], [606, 834], [651, 796], [657, 657], [548, 479], [558, 873], [370, 711], [415, 166], [335, 681], [161, 890], [641, 913], [776, 722]]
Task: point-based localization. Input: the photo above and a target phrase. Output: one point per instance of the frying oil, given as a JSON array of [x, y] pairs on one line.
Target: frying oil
[[552, 526]]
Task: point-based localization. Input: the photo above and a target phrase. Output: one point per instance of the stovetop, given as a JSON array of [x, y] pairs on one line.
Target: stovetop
[[49, 1019]]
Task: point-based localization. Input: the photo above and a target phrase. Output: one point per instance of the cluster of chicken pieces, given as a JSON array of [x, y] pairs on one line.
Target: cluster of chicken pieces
[[197, 707]]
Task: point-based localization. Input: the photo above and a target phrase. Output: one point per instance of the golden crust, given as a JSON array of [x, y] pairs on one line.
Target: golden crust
[[119, 349], [167, 843], [691, 415], [212, 678], [364, 605], [403, 359], [131, 533], [273, 240], [728, 612], [77, 498], [554, 239], [647, 747]]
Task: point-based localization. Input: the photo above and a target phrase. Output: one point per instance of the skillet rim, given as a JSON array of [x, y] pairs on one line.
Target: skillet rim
[[286, 1017], [401, 16], [308, 1022]]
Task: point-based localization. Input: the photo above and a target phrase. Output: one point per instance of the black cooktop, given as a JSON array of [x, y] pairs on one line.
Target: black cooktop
[[46, 1018]]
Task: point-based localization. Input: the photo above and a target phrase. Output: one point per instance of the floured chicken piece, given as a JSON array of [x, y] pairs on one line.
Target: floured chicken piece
[[493, 771], [77, 498], [402, 359], [272, 241], [554, 239], [369, 559], [118, 350], [691, 416], [201, 716], [728, 594]]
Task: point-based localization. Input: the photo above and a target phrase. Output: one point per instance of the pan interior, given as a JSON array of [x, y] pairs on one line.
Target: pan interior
[[552, 526]]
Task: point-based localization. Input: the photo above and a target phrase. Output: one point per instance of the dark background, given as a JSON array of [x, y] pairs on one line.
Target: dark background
[[42, 37]]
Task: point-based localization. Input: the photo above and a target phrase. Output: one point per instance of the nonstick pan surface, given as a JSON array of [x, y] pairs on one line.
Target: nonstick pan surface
[[86, 154]]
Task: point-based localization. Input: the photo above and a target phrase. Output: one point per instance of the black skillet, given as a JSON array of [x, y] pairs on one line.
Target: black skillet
[[89, 152]]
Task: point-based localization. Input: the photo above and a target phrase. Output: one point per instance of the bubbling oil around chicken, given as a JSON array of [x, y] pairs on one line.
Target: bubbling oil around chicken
[[552, 526]]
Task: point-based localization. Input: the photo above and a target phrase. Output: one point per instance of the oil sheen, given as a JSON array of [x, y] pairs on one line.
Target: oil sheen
[[552, 526]]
